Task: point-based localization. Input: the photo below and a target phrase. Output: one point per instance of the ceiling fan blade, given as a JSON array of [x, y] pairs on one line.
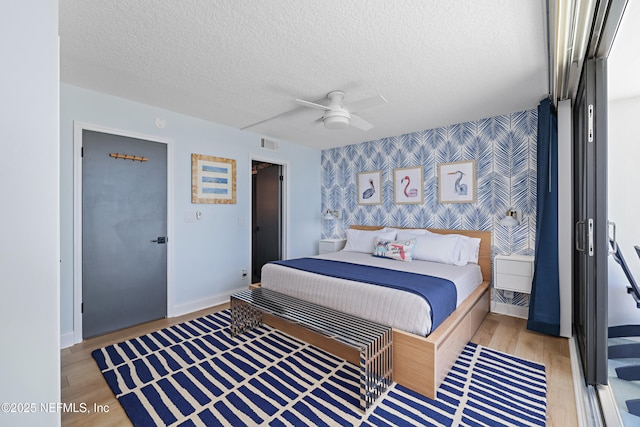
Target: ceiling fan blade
[[272, 117], [360, 123], [354, 107], [312, 105]]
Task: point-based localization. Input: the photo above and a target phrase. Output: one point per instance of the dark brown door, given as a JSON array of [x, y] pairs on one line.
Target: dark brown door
[[266, 216]]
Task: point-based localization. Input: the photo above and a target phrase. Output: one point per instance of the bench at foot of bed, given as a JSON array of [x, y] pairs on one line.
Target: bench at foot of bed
[[372, 340], [419, 363]]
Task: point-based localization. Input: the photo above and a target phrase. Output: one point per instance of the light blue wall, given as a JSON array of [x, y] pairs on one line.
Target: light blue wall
[[504, 149], [30, 248], [208, 254]]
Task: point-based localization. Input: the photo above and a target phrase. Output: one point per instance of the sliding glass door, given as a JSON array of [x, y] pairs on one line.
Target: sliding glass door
[[590, 215]]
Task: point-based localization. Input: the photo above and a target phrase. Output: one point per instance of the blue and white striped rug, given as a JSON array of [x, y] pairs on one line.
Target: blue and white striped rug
[[196, 374]]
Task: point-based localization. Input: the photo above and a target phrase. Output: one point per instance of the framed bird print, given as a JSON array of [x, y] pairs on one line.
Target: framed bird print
[[369, 191], [457, 182], [408, 187]]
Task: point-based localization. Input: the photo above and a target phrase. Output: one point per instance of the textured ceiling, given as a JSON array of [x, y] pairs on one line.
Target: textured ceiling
[[238, 62]]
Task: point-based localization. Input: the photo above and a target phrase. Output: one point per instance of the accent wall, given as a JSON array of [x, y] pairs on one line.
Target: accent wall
[[504, 149]]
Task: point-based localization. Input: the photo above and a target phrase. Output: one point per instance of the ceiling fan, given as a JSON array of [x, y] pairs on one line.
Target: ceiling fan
[[339, 116], [336, 114]]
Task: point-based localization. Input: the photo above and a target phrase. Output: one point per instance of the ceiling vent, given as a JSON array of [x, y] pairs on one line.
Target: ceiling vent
[[268, 144]]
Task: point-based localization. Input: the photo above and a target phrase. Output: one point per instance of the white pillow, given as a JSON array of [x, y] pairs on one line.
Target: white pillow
[[444, 248], [363, 240], [471, 249], [410, 233]]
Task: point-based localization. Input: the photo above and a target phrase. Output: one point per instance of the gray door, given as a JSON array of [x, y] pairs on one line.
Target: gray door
[[124, 210]]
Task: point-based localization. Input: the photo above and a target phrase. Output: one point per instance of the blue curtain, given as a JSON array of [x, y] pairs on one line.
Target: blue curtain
[[544, 305]]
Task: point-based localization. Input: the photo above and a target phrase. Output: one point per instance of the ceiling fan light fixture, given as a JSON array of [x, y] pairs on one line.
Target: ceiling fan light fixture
[[336, 119]]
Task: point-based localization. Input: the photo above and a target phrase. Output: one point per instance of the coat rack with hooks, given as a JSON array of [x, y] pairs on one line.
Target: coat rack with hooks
[[128, 157]]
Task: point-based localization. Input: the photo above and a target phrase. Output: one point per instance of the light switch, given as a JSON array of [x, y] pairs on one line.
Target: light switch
[[189, 216]]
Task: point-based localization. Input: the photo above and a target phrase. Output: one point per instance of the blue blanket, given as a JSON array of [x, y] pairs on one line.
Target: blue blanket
[[441, 294]]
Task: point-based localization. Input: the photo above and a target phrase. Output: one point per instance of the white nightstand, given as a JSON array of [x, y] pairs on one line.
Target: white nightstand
[[331, 245], [513, 273]]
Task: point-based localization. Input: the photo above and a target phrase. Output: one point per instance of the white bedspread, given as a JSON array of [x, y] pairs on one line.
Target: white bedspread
[[393, 307]]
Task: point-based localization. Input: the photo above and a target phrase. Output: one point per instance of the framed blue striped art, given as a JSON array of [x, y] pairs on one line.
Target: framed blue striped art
[[213, 179]]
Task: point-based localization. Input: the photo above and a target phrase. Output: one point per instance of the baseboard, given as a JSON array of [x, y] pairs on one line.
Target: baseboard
[[510, 310], [67, 340], [190, 307]]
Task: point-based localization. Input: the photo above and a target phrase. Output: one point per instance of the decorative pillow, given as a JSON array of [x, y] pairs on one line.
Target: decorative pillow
[[398, 250], [444, 248], [363, 240], [410, 233]]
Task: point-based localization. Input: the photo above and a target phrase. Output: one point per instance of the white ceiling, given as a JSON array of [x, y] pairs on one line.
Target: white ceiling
[[238, 62]]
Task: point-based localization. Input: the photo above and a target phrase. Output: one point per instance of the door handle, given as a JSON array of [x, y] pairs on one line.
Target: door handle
[[614, 241], [590, 232], [578, 225], [160, 240]]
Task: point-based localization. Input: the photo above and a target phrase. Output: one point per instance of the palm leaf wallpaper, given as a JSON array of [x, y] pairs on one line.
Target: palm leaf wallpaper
[[504, 148]]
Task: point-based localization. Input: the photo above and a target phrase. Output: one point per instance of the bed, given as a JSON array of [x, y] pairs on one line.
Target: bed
[[424, 345]]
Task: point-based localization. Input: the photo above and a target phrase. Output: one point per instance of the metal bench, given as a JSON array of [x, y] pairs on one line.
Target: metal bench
[[373, 340]]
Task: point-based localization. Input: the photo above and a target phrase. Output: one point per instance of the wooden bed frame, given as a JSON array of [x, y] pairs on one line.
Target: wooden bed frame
[[420, 363]]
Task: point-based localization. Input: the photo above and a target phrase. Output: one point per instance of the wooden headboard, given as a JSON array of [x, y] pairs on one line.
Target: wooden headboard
[[484, 255]]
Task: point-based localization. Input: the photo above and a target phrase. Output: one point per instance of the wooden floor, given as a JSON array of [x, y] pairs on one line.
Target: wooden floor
[[510, 335], [83, 384]]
